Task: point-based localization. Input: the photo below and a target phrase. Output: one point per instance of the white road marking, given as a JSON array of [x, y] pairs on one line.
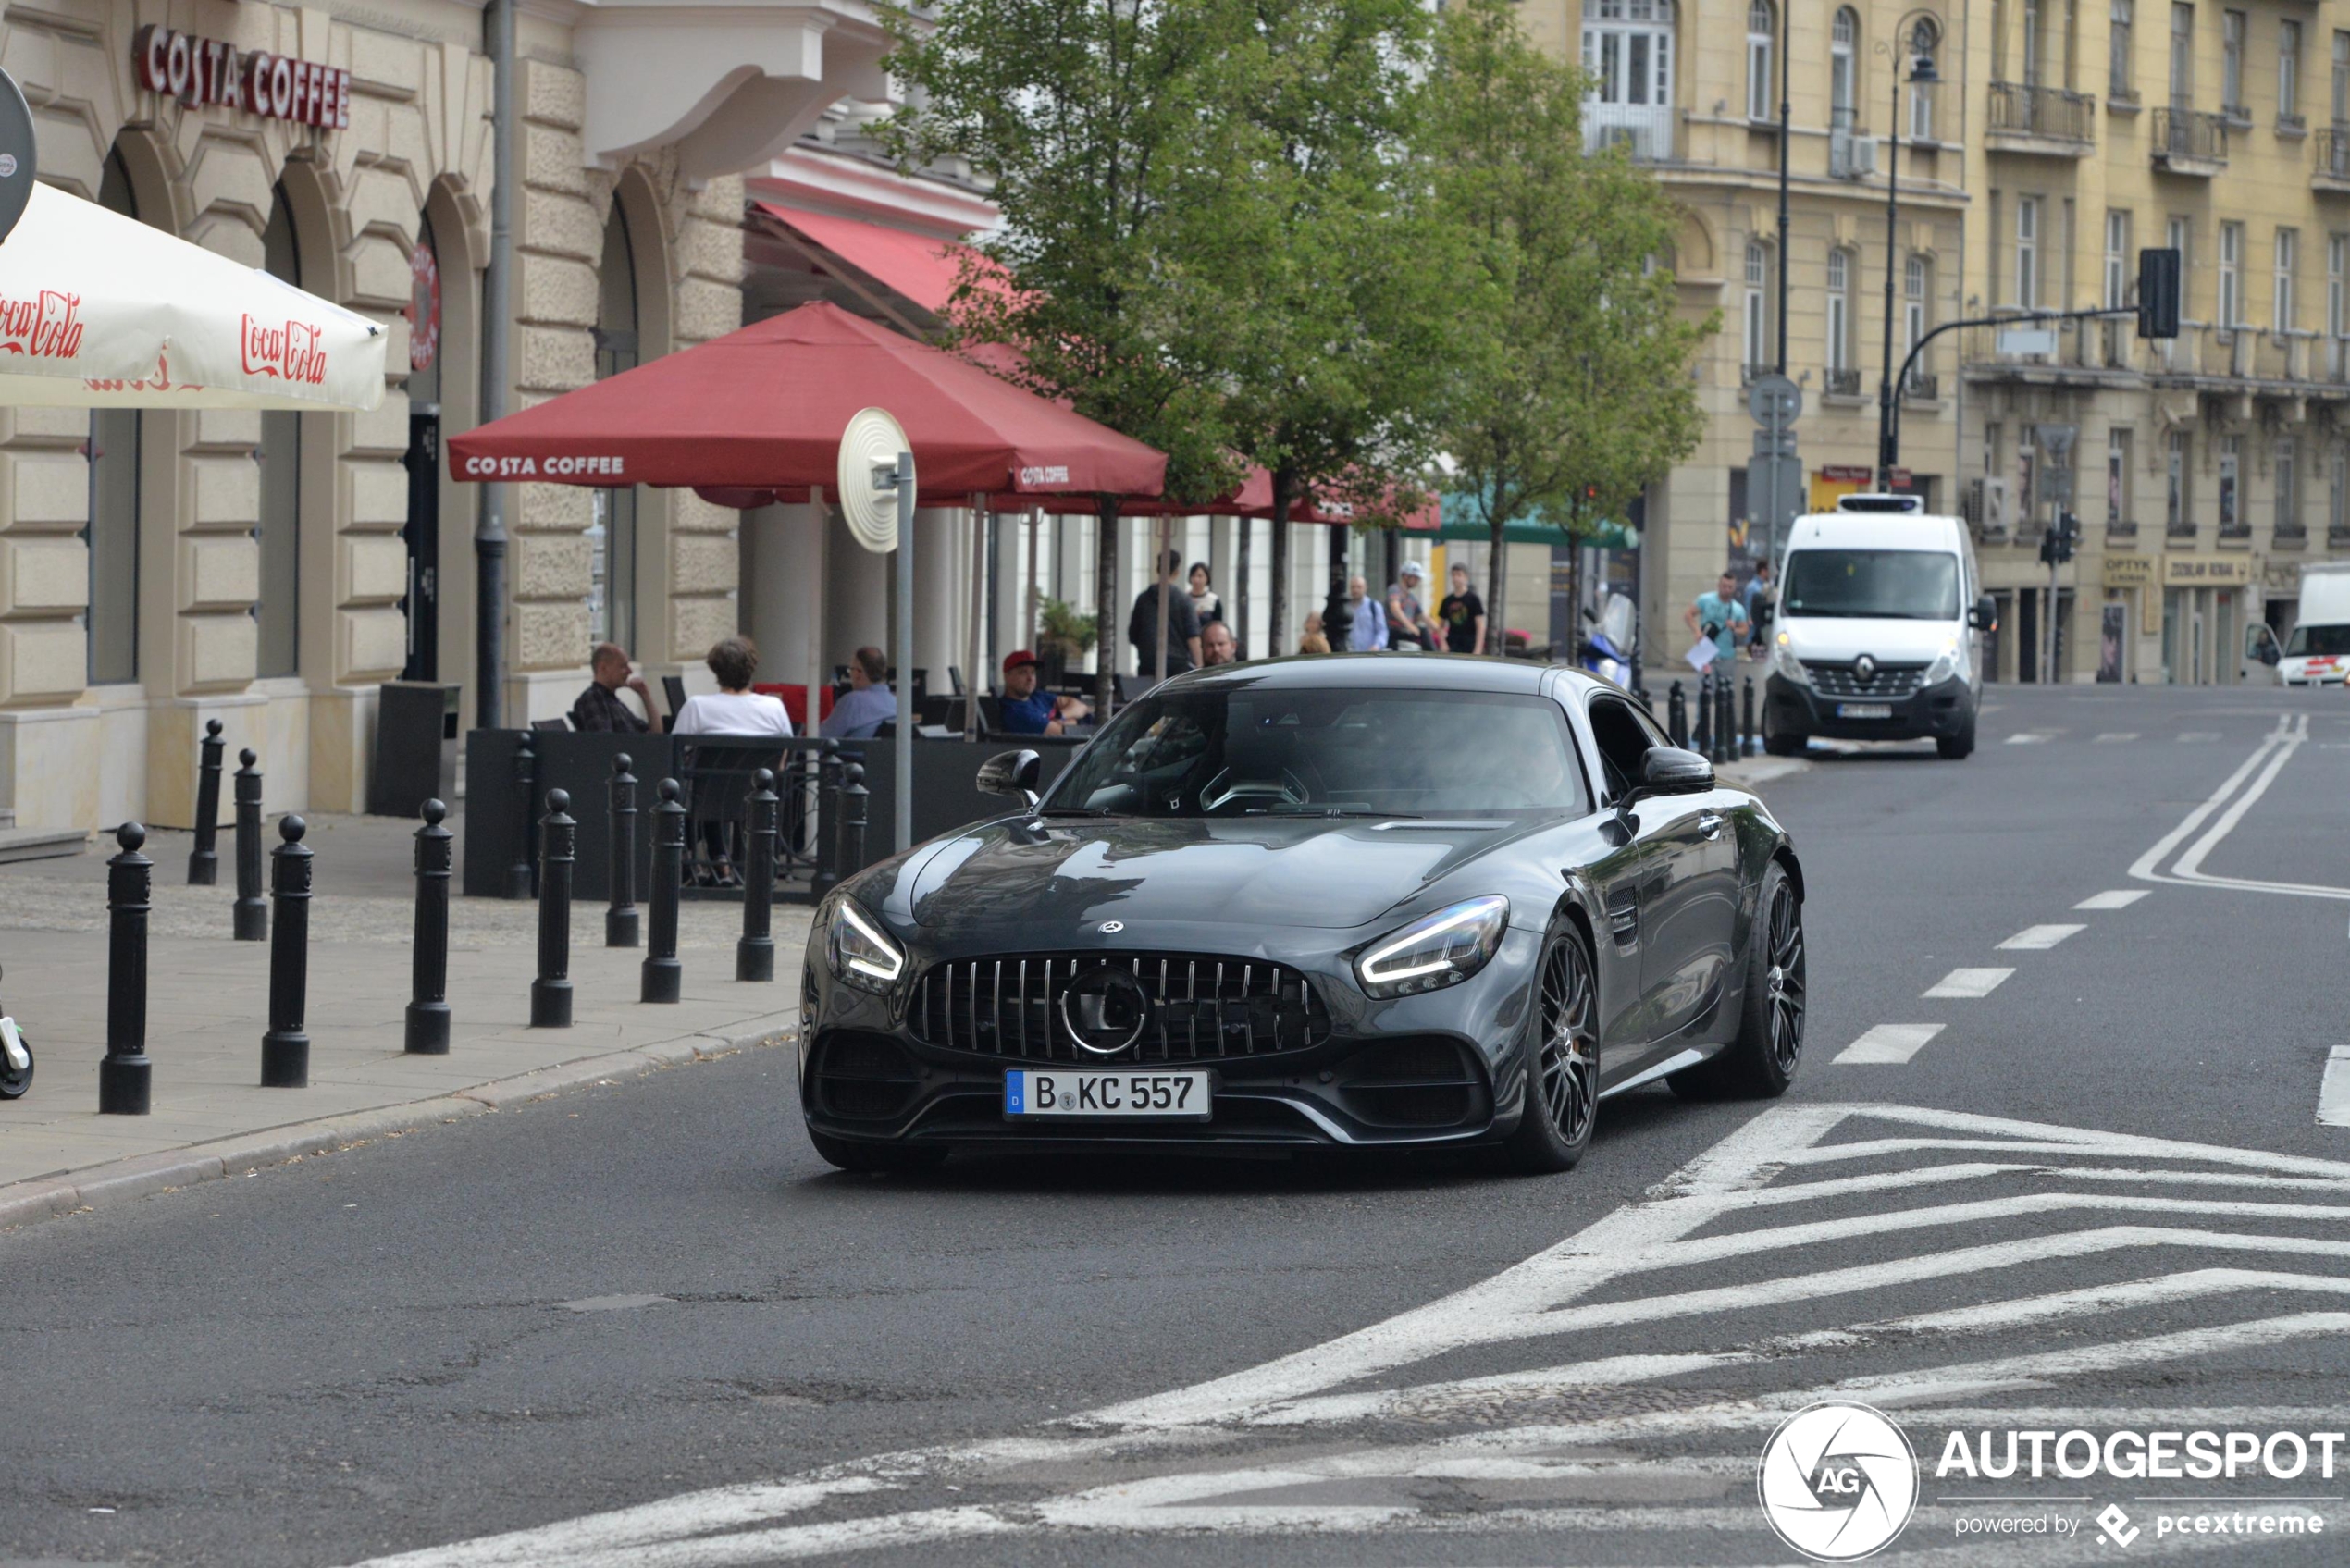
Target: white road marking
[[2333, 1090], [2118, 898], [2038, 939], [2033, 738], [2115, 738], [1968, 982], [1888, 1042], [2191, 736], [2274, 750]]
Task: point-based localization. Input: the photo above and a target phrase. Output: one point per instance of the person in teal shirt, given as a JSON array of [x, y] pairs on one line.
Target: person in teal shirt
[[1719, 614]]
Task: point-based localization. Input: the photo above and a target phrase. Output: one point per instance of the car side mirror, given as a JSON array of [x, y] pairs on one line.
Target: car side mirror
[[1013, 773], [1984, 616], [1668, 770]]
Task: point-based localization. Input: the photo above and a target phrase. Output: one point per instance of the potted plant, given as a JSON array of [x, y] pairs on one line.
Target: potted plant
[[1062, 638]]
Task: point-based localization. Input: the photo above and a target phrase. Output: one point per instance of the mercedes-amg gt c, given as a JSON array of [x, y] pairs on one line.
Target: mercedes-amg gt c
[[1369, 902]]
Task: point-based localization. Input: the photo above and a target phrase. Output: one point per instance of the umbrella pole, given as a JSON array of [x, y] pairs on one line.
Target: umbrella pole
[[902, 782], [1036, 569], [979, 615], [1158, 563]]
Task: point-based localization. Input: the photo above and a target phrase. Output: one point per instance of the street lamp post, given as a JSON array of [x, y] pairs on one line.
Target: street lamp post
[[1922, 74]]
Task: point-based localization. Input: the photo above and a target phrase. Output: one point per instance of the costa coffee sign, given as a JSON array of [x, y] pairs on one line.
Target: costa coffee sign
[[204, 71]]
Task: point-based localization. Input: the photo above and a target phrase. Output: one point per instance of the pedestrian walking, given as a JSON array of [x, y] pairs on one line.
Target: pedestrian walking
[[1463, 614], [1179, 624], [1761, 595], [1208, 605], [1718, 617], [1407, 619], [1370, 618]]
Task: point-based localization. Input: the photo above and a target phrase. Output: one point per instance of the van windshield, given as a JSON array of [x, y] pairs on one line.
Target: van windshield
[[2318, 641], [1897, 584]]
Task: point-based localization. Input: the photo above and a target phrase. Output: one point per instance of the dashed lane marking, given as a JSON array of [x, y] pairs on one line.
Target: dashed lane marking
[[2040, 938], [2116, 737], [2116, 898], [2190, 737], [1888, 1044], [1968, 982], [2333, 1090], [2033, 738]]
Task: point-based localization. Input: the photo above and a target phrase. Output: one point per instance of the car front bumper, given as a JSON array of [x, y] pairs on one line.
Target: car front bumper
[[1940, 710]]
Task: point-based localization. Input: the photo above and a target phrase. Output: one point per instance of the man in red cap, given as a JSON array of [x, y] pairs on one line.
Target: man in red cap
[[1028, 711]]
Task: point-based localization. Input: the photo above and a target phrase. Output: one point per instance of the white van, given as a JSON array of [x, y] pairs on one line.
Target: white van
[[2317, 652], [1875, 636]]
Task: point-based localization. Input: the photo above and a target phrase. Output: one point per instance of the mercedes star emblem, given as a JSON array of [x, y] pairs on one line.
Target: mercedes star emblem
[[1104, 1009], [1111, 928], [1864, 667]]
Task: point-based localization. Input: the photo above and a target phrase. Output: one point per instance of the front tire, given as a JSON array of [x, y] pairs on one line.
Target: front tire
[[1761, 1062], [1957, 748], [1562, 1061], [1778, 743], [879, 1159]]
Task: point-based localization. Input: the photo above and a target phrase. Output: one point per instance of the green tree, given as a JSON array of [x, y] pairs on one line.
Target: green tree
[[1570, 393]]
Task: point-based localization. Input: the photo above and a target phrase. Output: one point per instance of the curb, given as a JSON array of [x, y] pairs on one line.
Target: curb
[[118, 1181]]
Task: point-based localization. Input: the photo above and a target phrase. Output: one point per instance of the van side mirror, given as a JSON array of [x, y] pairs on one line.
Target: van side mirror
[[2260, 643], [1013, 773], [1984, 616]]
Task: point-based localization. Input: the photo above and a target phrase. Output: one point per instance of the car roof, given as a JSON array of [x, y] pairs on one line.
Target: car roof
[[1875, 530], [1408, 671]]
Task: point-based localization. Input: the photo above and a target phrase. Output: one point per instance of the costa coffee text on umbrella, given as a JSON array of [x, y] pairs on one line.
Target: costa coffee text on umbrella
[[206, 70]]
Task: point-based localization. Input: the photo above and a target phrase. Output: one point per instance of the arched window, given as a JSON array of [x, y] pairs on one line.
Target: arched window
[[1839, 318], [277, 612], [1925, 42], [1762, 31], [1627, 52], [611, 537], [422, 534], [1844, 44], [1756, 319]]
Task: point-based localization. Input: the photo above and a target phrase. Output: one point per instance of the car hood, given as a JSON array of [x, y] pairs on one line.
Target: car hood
[[1888, 641], [1070, 875]]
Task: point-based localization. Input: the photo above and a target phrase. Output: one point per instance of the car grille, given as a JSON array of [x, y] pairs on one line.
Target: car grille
[[1841, 680], [1201, 1008]]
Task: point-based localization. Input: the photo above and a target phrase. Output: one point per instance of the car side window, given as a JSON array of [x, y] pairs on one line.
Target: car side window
[[1623, 741]]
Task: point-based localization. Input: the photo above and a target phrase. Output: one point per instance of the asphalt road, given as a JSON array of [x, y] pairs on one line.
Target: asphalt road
[[646, 1325]]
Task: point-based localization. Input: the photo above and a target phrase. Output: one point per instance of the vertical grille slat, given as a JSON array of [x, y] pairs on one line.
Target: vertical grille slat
[[1247, 1007]]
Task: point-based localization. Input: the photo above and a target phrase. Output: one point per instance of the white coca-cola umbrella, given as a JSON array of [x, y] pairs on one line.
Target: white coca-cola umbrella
[[100, 311]]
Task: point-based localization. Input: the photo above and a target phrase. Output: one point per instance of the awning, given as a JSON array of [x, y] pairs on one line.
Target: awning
[[1461, 522], [916, 266]]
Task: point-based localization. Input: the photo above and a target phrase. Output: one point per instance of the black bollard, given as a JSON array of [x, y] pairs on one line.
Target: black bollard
[[755, 954], [1676, 715], [1704, 737], [125, 1073], [664, 976], [550, 992], [1725, 719], [204, 865], [827, 872], [1729, 724], [853, 801], [620, 919], [1746, 719], [285, 1050], [428, 1010], [250, 915], [519, 878]]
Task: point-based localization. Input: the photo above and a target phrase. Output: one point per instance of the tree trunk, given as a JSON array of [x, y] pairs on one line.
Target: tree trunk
[[1247, 560], [1107, 627], [1497, 581], [1282, 545]]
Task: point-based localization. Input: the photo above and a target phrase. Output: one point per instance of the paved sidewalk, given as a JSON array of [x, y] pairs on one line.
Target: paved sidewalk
[[207, 1005]]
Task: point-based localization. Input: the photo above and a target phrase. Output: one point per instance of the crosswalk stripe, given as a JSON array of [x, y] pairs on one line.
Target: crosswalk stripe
[[1968, 982], [2116, 898], [1888, 1042], [2333, 1090], [2191, 735], [2038, 939], [2115, 738]]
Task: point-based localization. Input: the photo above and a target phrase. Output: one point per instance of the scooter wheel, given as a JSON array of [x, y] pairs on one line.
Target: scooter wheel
[[13, 1082]]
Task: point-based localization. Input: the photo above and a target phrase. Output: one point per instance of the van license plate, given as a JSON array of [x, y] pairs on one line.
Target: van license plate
[[1166, 1096], [1865, 710]]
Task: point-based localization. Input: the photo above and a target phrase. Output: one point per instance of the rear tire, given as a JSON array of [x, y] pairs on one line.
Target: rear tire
[[1562, 1061], [14, 1083], [885, 1158], [1761, 1062]]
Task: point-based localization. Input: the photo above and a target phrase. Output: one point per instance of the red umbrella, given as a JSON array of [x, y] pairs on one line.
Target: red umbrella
[[756, 418]]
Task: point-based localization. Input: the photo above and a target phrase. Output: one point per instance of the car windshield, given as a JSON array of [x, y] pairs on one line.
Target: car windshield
[[1897, 584], [1235, 751], [2309, 641]]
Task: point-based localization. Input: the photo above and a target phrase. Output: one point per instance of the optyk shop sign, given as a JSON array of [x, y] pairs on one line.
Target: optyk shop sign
[[204, 71]]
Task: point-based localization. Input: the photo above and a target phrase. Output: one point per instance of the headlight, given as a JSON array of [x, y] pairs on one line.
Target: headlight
[[1785, 662], [1441, 949], [1945, 665], [861, 953]]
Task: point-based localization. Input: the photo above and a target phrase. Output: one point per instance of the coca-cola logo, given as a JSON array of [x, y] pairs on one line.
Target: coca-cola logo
[[47, 326], [292, 351]]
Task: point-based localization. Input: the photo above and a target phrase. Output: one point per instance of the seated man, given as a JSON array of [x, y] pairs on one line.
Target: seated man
[[600, 710], [1026, 710], [870, 703]]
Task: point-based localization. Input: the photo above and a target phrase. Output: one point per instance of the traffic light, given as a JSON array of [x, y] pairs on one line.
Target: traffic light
[[2159, 293], [2057, 544]]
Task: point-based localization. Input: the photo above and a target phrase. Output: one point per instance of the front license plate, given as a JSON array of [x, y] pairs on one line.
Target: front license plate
[[1865, 710], [1159, 1096]]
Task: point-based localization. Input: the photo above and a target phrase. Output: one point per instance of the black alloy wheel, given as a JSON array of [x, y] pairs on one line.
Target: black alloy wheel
[[1563, 1076], [1784, 980], [1761, 1062]]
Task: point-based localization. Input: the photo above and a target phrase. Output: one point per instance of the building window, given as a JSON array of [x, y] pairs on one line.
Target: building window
[[2231, 467], [1628, 51], [2231, 275], [2176, 518], [2231, 30], [1758, 297], [1925, 42], [1840, 315], [612, 536], [112, 621], [2027, 251], [2032, 40], [2288, 73], [1915, 284], [2340, 78], [2116, 477], [2281, 313], [2121, 79], [1762, 29], [2116, 260], [2337, 307], [277, 613], [2182, 55], [1844, 41], [2338, 491], [2286, 461]]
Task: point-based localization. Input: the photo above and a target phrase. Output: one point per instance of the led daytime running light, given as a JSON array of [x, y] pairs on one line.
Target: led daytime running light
[[1420, 950], [894, 959]]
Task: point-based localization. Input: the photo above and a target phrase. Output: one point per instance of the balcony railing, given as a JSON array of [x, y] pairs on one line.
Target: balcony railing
[[1750, 374], [2189, 141], [1844, 383], [2049, 113], [1924, 386], [1645, 129], [2333, 154]]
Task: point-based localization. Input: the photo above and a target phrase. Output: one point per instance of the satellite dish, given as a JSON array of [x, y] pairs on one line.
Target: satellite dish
[[873, 440]]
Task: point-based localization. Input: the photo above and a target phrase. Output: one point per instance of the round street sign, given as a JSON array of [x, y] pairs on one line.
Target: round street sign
[[1775, 399], [16, 159]]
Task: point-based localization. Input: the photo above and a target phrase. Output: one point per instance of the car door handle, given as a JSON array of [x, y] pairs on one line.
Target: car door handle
[[1710, 823]]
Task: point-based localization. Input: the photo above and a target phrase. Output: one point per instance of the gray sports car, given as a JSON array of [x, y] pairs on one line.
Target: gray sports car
[[1369, 901]]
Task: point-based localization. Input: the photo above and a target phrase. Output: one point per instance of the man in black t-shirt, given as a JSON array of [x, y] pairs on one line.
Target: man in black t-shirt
[[1463, 614], [1181, 624]]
